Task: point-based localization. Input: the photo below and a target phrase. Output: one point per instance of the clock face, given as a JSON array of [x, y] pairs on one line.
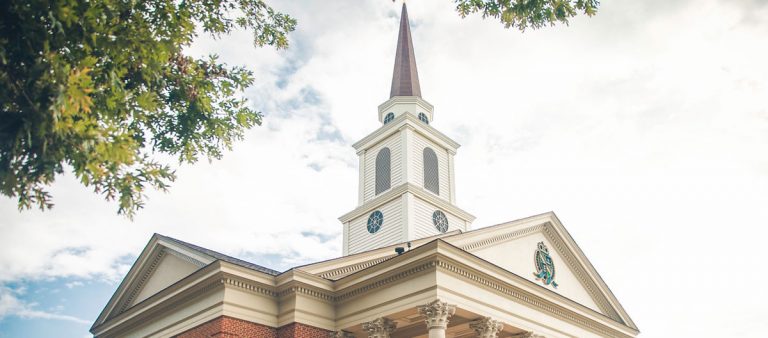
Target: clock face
[[375, 220], [440, 221]]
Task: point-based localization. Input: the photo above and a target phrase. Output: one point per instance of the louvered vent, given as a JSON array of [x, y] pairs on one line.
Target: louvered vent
[[383, 175], [431, 174]]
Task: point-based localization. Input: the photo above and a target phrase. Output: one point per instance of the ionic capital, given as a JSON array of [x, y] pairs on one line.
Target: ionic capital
[[379, 327], [437, 314], [486, 327]]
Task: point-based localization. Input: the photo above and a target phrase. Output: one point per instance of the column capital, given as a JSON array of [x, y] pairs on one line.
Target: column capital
[[380, 327], [486, 327], [437, 314], [529, 334], [340, 334]]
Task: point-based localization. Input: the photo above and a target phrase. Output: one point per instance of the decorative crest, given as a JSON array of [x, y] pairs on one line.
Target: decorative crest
[[545, 267]]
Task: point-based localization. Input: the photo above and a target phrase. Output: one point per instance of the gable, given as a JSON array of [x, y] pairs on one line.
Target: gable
[[170, 268], [517, 256], [512, 246]]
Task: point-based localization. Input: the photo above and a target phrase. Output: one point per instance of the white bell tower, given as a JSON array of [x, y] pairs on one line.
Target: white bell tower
[[406, 185]]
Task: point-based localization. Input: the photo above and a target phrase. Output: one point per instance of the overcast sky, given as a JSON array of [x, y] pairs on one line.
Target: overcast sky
[[644, 128]]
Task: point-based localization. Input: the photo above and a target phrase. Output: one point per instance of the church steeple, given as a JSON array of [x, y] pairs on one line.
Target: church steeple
[[406, 187], [405, 78]]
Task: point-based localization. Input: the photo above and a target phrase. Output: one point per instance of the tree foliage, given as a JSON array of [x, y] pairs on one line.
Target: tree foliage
[[528, 13], [102, 87]]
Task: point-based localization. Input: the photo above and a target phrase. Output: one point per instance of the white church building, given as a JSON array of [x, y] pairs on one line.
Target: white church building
[[411, 265]]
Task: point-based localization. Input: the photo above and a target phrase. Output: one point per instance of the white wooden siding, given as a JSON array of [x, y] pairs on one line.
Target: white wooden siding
[[416, 175], [422, 222], [396, 160], [390, 233]]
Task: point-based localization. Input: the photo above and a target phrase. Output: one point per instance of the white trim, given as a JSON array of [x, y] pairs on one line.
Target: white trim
[[395, 192], [388, 129], [385, 107]]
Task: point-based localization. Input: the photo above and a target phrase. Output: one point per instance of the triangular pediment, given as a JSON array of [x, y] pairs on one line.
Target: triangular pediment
[[513, 246], [162, 263]]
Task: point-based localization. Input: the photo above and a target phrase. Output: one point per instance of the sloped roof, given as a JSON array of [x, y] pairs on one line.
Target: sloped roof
[[220, 256]]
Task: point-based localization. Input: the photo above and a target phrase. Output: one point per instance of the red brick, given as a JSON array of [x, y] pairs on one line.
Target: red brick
[[298, 330], [228, 327]]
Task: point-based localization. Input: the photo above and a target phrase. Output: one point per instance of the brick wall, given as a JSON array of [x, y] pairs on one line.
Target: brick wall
[[228, 327], [298, 330]]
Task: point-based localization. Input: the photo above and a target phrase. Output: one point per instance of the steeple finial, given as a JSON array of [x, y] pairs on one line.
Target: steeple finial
[[405, 78]]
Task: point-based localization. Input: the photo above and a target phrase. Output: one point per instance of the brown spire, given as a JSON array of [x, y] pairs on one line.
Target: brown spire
[[405, 78]]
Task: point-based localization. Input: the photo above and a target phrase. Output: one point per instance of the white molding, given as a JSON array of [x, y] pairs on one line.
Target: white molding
[[387, 106], [388, 129], [395, 192]]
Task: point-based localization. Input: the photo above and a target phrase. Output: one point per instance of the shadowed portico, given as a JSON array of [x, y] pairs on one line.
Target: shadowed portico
[[413, 323]]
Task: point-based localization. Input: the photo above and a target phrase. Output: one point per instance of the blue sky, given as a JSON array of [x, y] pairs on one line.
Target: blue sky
[[644, 128]]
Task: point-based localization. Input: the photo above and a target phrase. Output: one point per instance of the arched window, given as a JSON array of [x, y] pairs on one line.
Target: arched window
[[423, 118], [390, 116], [431, 174], [382, 170]]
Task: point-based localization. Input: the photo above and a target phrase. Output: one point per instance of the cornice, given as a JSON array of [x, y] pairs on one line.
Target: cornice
[[375, 202], [352, 268], [397, 192], [410, 271], [147, 273], [528, 298], [562, 232], [437, 261], [406, 100], [186, 289], [424, 129], [586, 281], [581, 274], [142, 279], [429, 258], [294, 288], [486, 242], [248, 285]]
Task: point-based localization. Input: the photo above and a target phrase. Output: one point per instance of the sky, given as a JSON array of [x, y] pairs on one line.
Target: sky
[[644, 128]]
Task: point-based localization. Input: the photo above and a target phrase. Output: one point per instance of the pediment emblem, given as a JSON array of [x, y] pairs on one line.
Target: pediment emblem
[[545, 267]]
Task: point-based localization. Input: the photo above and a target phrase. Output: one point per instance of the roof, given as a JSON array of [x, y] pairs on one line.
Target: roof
[[220, 256], [405, 77]]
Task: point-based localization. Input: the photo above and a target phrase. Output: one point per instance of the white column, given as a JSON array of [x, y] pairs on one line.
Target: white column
[[486, 327], [379, 327], [436, 315]]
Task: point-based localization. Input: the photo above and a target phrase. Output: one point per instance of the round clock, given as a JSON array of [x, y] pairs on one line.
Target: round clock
[[440, 221], [375, 220]]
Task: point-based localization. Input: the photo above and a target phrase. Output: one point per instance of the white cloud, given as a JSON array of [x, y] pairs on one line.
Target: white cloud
[[11, 305], [644, 128]]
